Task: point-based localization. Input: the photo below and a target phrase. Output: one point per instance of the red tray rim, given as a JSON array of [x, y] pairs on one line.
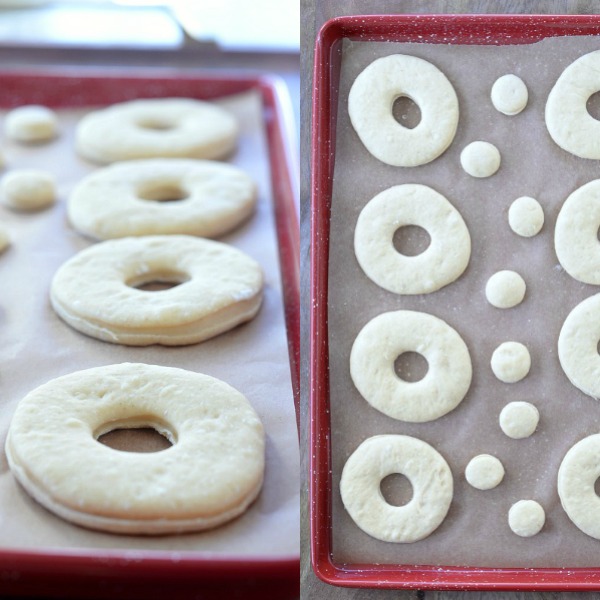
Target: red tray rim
[[505, 29], [48, 571]]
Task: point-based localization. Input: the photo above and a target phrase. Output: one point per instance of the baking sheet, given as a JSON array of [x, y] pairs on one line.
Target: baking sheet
[[475, 532], [35, 346]]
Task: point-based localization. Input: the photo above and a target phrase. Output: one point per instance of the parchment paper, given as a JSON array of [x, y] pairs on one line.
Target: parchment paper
[[475, 532], [36, 346]]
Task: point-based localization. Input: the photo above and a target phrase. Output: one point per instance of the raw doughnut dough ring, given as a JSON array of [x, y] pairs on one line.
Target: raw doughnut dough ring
[[441, 263], [210, 475], [567, 117], [425, 468], [153, 128], [577, 477], [371, 100], [576, 234], [221, 288], [125, 199], [578, 346], [389, 335]]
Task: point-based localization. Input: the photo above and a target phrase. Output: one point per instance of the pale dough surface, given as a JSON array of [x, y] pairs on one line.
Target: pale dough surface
[[509, 95], [568, 121], [578, 346], [31, 123], [125, 199], [210, 474], [484, 472], [511, 362], [480, 159], [28, 189], [159, 127], [526, 216], [425, 468], [95, 291], [389, 335], [526, 518], [505, 289], [446, 257], [371, 100], [519, 419], [576, 234]]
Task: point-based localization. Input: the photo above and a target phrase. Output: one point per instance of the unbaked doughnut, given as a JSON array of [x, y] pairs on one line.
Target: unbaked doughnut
[[526, 518], [156, 128], [577, 477], [371, 100], [484, 472], [389, 335], [526, 216], [425, 468], [511, 362], [95, 291], [509, 95], [28, 189], [505, 289], [31, 123], [578, 346], [567, 118], [480, 159], [132, 198], [210, 474], [441, 263], [519, 419], [576, 234]]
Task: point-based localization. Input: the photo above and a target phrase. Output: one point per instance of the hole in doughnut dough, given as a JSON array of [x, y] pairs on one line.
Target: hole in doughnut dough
[[157, 281], [406, 112], [143, 439], [170, 192], [411, 366], [593, 106], [597, 487], [155, 124], [411, 240], [396, 489]]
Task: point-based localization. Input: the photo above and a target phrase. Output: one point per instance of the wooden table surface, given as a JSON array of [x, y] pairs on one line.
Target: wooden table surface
[[314, 14]]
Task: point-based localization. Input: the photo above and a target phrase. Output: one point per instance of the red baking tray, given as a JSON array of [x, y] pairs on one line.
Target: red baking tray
[[84, 573], [441, 29]]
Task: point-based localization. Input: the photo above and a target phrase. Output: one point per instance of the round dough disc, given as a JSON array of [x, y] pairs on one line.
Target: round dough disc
[[526, 518], [519, 420], [480, 159], [526, 216], [511, 362], [484, 472], [509, 95], [505, 289]]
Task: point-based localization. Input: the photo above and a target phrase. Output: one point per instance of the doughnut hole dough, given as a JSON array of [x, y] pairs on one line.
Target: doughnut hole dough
[[372, 98], [578, 346], [31, 123], [526, 518], [389, 335], [577, 475], [28, 189], [156, 128], [210, 474], [444, 260], [480, 159], [425, 468], [511, 362], [576, 234], [509, 95], [567, 118], [505, 289], [124, 199], [484, 472], [519, 420], [95, 293], [526, 216]]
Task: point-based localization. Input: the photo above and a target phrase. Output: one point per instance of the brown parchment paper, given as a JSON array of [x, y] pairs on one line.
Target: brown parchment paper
[[475, 532], [36, 346]]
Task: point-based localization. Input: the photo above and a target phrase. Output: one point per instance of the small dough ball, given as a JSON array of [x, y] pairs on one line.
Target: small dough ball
[[31, 124], [505, 289], [526, 518], [509, 95], [480, 159], [4, 239], [519, 420], [484, 472], [526, 216], [28, 189], [511, 362]]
